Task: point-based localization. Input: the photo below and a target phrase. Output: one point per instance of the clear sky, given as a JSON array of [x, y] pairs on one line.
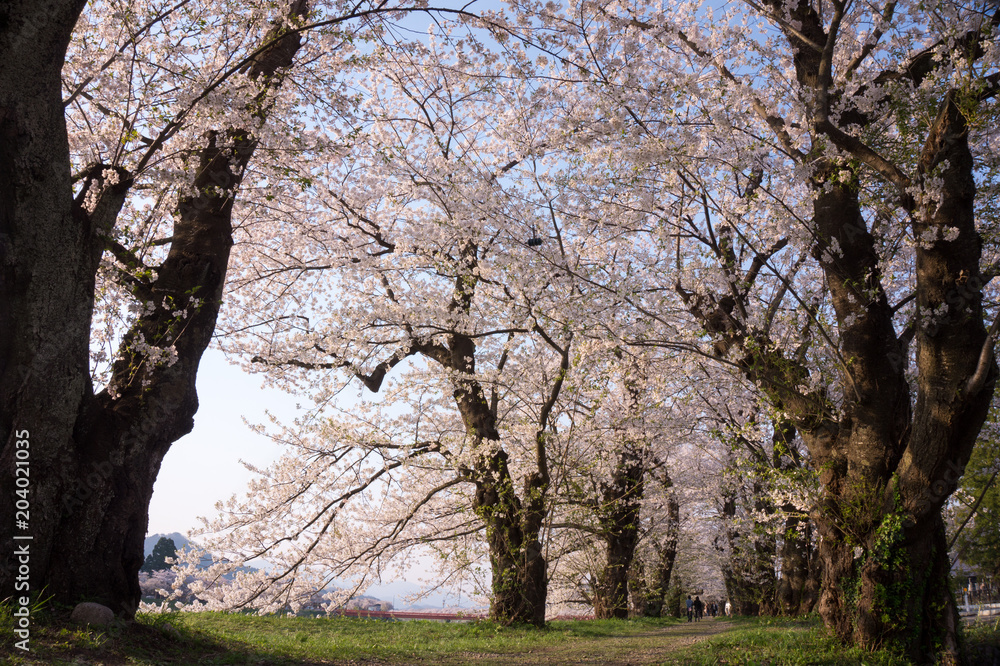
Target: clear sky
[[204, 466]]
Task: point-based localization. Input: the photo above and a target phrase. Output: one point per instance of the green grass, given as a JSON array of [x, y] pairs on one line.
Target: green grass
[[217, 638], [221, 638], [982, 642], [347, 639], [784, 641]]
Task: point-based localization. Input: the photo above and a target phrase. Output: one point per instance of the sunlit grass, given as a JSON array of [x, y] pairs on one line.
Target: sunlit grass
[[345, 638], [785, 642], [220, 638]]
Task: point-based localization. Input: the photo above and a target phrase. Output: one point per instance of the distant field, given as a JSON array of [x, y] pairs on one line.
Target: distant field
[[215, 638]]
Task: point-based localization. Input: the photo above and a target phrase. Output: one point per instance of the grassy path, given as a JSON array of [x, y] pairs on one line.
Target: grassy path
[[647, 647]]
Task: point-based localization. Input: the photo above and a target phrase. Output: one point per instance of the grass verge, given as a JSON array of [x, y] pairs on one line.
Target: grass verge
[[805, 641], [217, 638]]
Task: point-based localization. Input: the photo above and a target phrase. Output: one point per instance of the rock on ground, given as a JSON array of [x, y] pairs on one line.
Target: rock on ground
[[91, 613]]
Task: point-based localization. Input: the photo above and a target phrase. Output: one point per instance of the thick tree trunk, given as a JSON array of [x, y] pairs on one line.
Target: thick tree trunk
[[618, 512], [651, 590], [886, 493], [519, 571], [793, 594], [611, 591], [93, 458], [748, 571], [886, 471], [535, 581], [666, 550], [45, 287], [91, 503], [894, 594], [618, 518], [123, 433]]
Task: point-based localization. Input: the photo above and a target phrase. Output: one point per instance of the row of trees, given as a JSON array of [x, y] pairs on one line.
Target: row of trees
[[574, 235]]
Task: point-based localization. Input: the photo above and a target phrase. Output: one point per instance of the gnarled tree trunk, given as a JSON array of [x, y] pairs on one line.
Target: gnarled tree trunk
[[655, 593], [513, 527], [797, 588], [519, 573], [93, 457], [618, 519], [887, 462]]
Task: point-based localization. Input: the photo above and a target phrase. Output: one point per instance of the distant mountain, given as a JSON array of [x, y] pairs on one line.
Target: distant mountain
[[179, 541]]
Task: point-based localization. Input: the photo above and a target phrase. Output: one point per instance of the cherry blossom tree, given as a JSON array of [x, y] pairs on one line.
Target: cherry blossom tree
[[761, 497], [421, 247], [822, 172], [618, 490], [651, 579], [130, 128], [157, 584], [771, 565], [794, 190]]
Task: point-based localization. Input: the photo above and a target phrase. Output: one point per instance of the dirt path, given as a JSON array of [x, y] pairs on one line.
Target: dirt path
[[649, 647]]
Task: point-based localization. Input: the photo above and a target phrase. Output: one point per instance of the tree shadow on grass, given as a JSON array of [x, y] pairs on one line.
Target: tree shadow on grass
[[55, 641]]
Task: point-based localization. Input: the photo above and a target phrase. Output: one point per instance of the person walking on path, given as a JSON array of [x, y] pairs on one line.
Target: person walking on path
[[690, 608], [699, 608], [729, 609]]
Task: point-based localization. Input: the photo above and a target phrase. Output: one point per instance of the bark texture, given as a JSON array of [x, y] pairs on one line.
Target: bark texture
[[44, 282], [513, 524], [886, 469], [618, 521], [94, 456], [797, 588]]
